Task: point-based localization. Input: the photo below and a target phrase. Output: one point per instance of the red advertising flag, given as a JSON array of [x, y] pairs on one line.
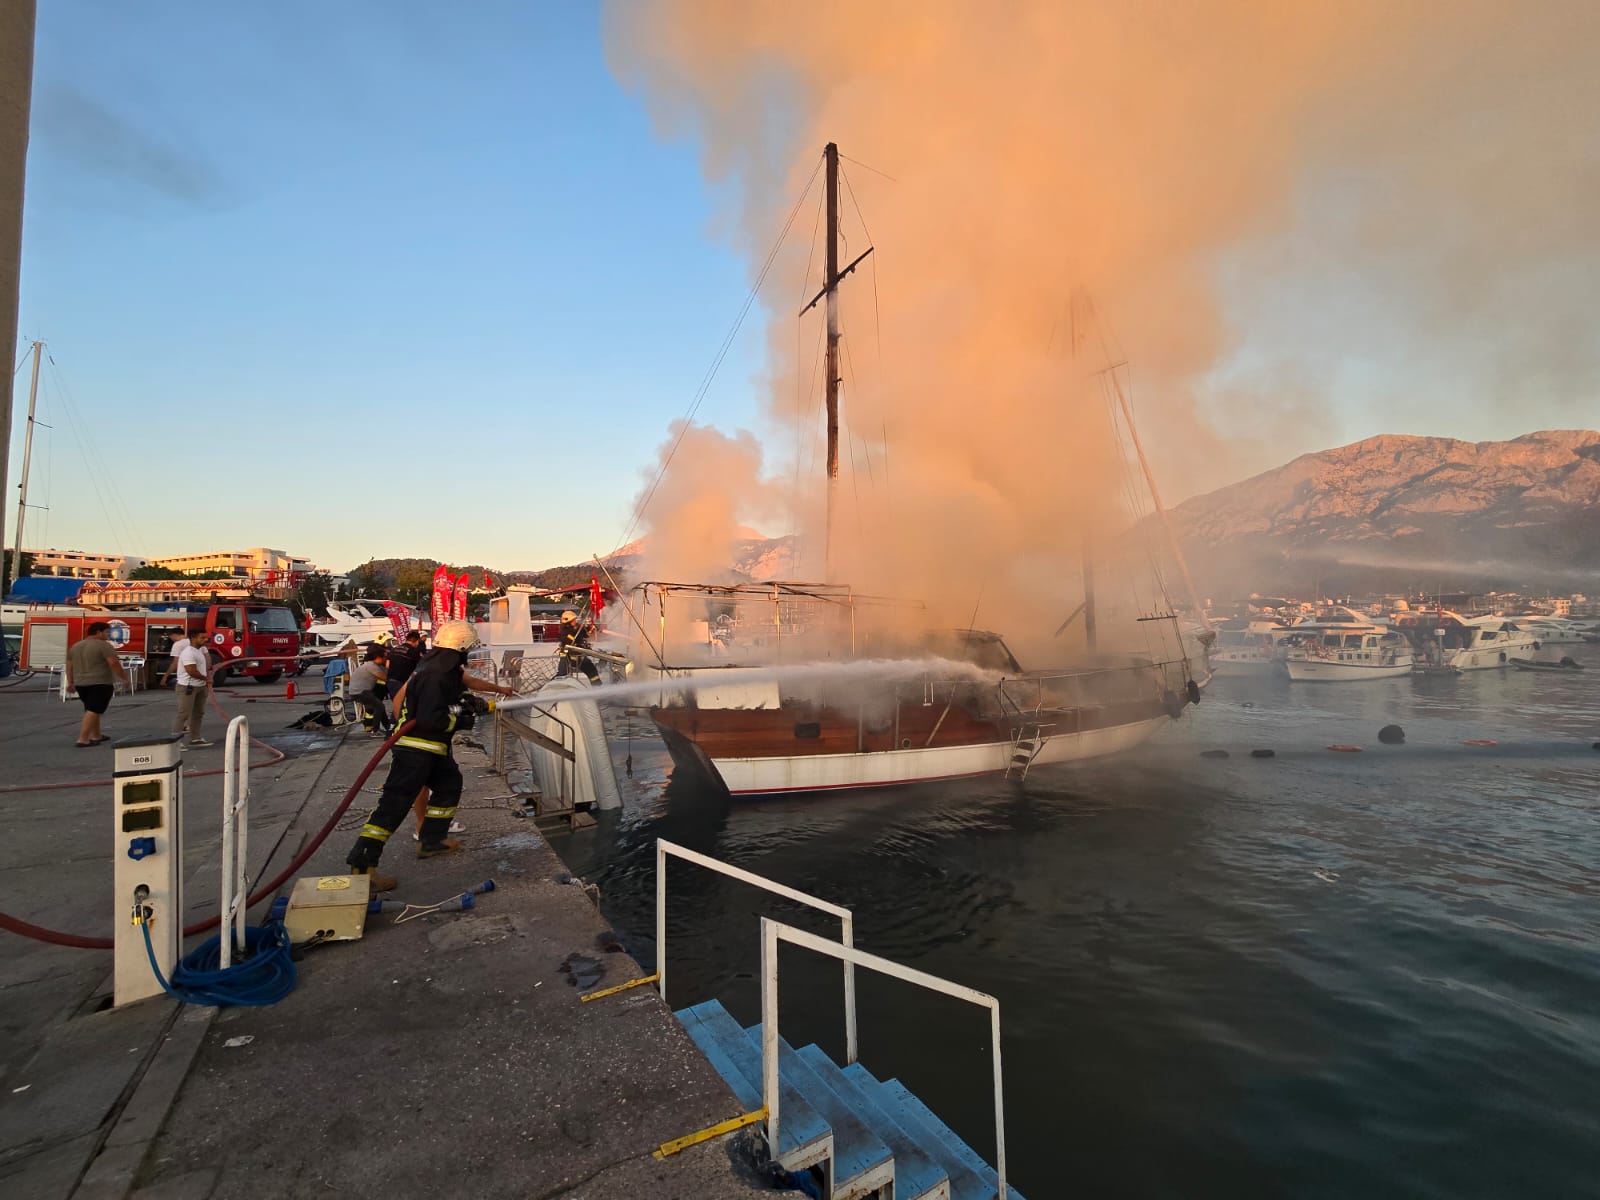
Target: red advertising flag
[[597, 598], [441, 596], [463, 586], [488, 581], [400, 617]]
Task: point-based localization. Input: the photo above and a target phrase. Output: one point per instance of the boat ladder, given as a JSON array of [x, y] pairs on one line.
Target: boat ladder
[[1025, 748]]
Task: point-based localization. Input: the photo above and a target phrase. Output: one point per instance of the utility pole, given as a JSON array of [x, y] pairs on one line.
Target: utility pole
[[830, 364], [16, 91], [27, 457]]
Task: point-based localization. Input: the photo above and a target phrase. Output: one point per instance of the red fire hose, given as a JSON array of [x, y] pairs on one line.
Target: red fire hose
[[56, 937]]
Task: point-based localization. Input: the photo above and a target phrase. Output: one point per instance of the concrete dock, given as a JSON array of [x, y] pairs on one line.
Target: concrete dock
[[440, 1056]]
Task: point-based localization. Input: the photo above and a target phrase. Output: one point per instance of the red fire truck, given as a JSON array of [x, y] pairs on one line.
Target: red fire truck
[[248, 629]]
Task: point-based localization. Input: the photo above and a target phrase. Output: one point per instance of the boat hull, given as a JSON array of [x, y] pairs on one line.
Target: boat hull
[[1334, 671], [779, 773]]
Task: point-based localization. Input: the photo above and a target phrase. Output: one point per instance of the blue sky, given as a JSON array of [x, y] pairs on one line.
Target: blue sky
[[416, 286]]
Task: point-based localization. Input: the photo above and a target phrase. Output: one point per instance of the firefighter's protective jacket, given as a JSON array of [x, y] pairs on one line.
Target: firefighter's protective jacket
[[433, 696]]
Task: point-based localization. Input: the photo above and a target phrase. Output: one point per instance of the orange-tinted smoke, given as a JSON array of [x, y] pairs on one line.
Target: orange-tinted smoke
[[1036, 148]]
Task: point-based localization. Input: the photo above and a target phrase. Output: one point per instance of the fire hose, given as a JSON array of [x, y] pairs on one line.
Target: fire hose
[[40, 933]]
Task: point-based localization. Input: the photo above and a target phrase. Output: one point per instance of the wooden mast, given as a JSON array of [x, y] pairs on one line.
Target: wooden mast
[[830, 366]]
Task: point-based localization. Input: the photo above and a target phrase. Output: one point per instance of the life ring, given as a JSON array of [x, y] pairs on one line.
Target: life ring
[[1480, 742], [1346, 749]]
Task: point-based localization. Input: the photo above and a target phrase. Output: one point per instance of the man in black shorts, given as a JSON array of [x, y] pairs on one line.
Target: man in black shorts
[[92, 667]]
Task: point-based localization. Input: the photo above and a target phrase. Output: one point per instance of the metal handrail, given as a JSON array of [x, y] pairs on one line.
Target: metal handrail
[[235, 838], [664, 849], [773, 932]]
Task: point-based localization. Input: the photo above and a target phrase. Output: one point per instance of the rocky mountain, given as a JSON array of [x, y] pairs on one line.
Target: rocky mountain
[[1395, 511]]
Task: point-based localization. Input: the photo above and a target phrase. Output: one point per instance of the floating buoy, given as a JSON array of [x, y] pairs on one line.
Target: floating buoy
[[1480, 742], [1346, 749], [1392, 735], [1263, 754], [1213, 754]]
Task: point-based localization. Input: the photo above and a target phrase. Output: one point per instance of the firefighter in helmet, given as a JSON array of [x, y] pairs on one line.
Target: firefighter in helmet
[[437, 704], [575, 640]]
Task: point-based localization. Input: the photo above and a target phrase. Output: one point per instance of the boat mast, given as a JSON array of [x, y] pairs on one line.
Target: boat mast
[[1155, 496], [830, 365], [27, 455]]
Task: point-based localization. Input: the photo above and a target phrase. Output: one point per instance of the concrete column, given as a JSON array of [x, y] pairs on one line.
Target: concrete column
[[16, 94]]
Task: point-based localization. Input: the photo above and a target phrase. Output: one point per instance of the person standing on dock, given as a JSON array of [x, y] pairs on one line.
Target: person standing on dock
[[403, 659], [92, 665], [194, 680], [422, 757]]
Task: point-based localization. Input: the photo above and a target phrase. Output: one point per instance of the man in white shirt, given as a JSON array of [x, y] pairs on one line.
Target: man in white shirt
[[194, 674], [179, 645]]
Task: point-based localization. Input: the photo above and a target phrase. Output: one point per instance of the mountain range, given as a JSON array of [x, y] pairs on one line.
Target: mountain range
[[1396, 511], [1392, 512]]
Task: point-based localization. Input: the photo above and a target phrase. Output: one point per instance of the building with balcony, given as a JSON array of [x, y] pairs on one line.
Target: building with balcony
[[258, 564], [83, 564]]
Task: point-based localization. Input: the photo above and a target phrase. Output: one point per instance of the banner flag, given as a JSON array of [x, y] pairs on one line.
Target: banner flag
[[400, 617], [597, 598], [441, 596], [463, 586]]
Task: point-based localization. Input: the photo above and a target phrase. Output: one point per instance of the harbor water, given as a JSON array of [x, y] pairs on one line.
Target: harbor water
[[1315, 974]]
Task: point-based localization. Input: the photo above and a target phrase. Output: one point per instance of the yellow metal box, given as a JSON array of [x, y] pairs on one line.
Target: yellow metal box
[[330, 909]]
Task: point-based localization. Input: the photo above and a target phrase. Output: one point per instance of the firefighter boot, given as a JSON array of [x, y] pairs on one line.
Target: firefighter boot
[[380, 882], [442, 846]]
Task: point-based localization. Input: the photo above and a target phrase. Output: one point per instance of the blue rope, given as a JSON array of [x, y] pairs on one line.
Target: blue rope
[[265, 975]]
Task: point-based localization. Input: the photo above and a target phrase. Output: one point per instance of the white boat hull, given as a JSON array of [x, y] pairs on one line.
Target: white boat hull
[[888, 768], [1321, 670], [1489, 658]]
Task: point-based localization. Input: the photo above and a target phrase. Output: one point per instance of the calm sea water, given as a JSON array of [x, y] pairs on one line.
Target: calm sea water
[[1320, 974]]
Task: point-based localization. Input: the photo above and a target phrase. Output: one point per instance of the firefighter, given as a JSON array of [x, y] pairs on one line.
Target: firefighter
[[575, 638], [436, 700]]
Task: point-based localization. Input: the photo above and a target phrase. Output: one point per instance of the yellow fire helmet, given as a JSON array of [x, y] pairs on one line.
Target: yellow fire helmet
[[569, 615], [456, 635]]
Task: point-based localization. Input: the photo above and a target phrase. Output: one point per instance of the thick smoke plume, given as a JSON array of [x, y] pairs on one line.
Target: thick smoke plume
[[1140, 152]]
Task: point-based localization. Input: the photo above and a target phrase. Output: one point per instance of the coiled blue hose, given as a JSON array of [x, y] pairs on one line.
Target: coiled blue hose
[[265, 976]]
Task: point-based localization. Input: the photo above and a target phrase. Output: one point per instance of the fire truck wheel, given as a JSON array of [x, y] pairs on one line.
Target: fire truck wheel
[[269, 677], [221, 677]]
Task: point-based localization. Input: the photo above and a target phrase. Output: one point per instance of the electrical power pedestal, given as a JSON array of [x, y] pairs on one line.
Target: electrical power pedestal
[[148, 852]]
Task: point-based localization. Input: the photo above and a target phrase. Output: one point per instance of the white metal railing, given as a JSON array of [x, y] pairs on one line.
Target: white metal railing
[[235, 838], [773, 932], [666, 849]]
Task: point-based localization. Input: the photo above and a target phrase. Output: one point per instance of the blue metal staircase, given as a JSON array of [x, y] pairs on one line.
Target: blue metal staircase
[[864, 1136]]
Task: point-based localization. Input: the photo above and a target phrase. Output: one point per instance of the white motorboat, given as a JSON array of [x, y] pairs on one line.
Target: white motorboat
[[1555, 638], [1442, 638], [1249, 651], [1347, 655], [359, 620]]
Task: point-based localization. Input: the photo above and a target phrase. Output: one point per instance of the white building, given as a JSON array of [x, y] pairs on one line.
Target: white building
[[83, 564], [256, 564]]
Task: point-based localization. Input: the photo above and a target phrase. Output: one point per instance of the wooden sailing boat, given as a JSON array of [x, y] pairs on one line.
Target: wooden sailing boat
[[808, 687]]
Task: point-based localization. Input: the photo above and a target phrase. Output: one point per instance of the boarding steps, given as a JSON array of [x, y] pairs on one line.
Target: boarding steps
[[1024, 750], [867, 1137]]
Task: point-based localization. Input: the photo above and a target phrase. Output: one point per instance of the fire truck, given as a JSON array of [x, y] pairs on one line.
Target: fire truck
[[249, 630]]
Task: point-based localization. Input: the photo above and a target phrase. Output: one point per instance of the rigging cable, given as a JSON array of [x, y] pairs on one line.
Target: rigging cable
[[716, 363]]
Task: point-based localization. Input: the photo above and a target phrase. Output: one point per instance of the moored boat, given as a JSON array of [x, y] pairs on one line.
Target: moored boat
[[1348, 655]]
